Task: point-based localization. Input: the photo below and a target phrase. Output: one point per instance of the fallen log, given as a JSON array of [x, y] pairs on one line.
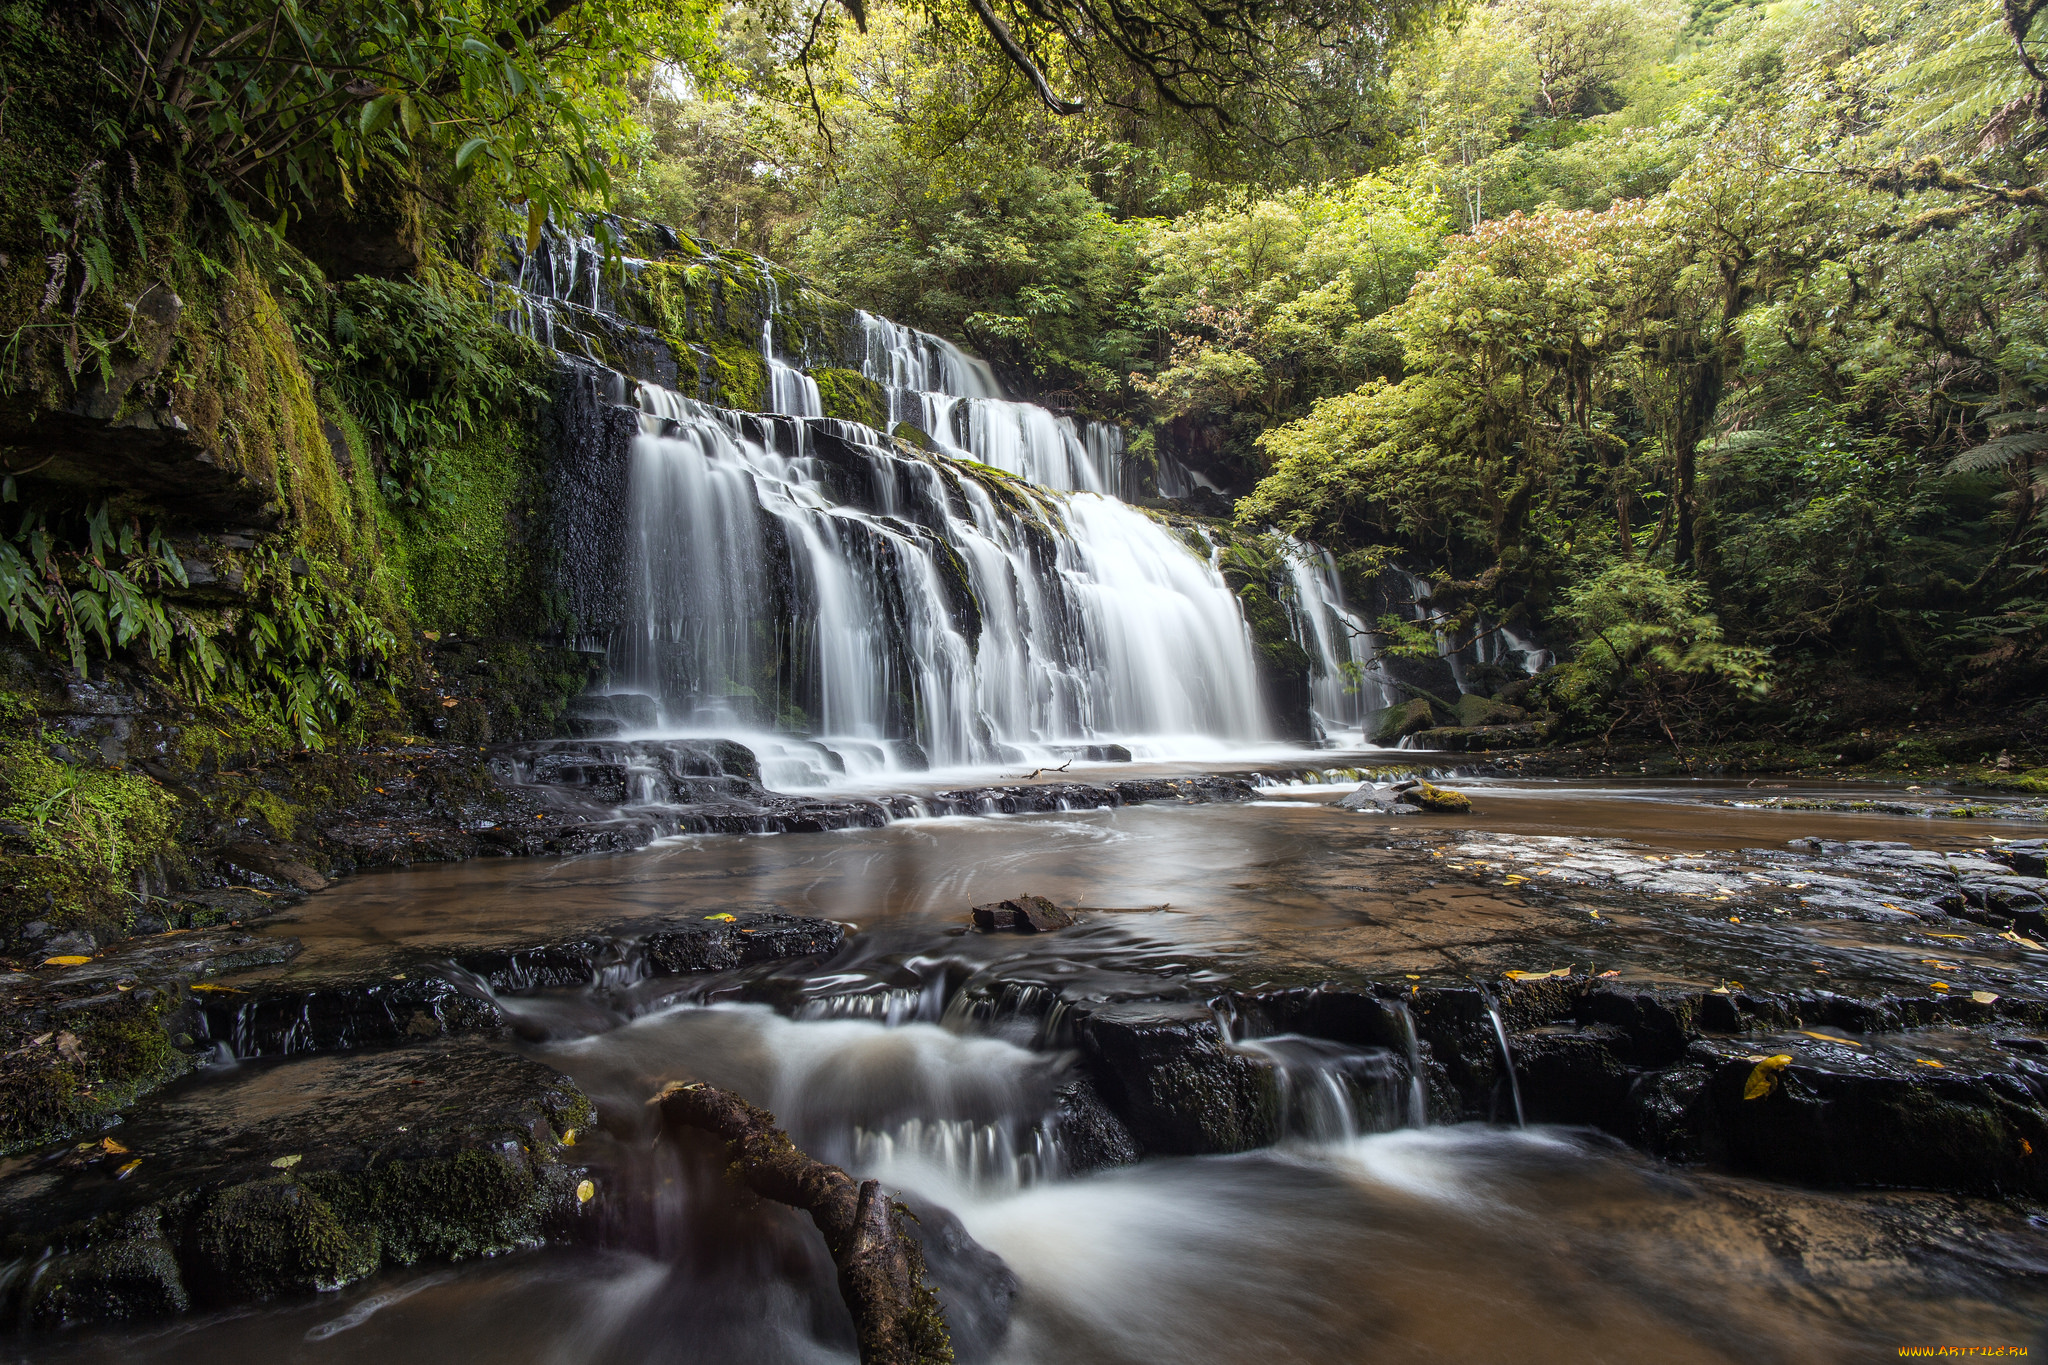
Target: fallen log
[[896, 1316]]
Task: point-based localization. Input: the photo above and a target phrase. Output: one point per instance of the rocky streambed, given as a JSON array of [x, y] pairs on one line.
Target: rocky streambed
[[1780, 1048]]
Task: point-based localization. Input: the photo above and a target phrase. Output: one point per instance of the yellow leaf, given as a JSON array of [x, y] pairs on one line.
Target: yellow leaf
[[1938, 985], [727, 918], [1927, 1061], [211, 988], [285, 1163], [1763, 1077], [123, 1172], [1537, 976], [2008, 935], [1948, 936], [68, 960], [1830, 1038], [112, 1148], [585, 1192], [569, 1138], [1983, 997]]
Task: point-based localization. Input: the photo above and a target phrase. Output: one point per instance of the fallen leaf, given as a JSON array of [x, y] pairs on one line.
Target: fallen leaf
[[68, 960], [1938, 985], [1831, 1038], [1948, 936], [2026, 1147], [1594, 913], [1983, 997], [1537, 976], [1720, 990], [1605, 975], [1927, 1061], [727, 918], [569, 1138], [1411, 976], [1763, 1077], [449, 701], [585, 1192], [2026, 943], [285, 1163], [112, 1148], [124, 1171], [209, 987]]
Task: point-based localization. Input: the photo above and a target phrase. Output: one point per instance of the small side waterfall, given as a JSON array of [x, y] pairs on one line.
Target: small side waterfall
[[1343, 690]]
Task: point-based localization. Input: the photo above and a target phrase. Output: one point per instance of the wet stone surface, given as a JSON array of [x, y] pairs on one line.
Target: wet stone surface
[[423, 993], [277, 1178]]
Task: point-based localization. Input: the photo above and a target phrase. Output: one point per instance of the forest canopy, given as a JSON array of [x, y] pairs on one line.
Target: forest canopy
[[1729, 310]]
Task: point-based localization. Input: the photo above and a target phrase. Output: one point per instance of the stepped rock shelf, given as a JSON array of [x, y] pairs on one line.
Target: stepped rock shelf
[[425, 1093]]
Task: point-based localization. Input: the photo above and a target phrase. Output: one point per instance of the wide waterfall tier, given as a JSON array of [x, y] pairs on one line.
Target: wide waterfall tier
[[953, 398], [779, 515], [809, 576]]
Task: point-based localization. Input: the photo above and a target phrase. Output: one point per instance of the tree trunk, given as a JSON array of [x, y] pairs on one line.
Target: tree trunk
[[881, 1271]]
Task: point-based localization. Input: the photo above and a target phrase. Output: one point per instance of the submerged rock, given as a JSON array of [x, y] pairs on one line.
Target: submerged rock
[[1022, 915]]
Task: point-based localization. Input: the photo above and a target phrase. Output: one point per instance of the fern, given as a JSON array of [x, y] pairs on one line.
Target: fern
[[1999, 451]]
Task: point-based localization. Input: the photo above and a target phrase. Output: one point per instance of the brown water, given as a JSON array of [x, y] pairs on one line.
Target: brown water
[[1354, 1241]]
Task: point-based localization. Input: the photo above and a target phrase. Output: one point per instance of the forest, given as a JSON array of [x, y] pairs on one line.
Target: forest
[[1705, 341], [1088, 681], [1709, 338]]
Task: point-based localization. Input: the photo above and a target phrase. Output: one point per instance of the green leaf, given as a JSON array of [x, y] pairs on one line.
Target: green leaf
[[468, 150]]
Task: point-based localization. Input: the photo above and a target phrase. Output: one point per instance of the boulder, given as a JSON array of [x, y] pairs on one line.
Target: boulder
[[1390, 724], [1021, 915], [1440, 799], [1380, 798], [1474, 711]]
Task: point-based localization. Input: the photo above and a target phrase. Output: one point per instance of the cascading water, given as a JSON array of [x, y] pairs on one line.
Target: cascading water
[[954, 399], [1342, 689], [780, 573]]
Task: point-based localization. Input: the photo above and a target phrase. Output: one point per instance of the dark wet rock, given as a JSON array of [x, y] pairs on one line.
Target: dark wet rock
[[1022, 915], [1170, 1075], [285, 1178], [423, 995], [273, 866], [1091, 1136], [1458, 739], [600, 715], [1476, 712], [1844, 1116], [1105, 753], [77, 1043], [976, 1287], [1391, 724], [1047, 797]]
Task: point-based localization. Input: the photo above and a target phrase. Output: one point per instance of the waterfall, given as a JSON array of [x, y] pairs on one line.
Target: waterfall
[[954, 399], [851, 602], [1343, 691], [807, 574]]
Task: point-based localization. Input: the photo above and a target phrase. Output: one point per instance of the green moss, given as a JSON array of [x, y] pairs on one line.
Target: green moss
[[99, 1063], [851, 396], [274, 1237], [73, 839]]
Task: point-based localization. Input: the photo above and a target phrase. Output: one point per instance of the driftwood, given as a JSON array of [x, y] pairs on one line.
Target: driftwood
[[881, 1270]]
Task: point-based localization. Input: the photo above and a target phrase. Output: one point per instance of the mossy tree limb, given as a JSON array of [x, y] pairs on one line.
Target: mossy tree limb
[[881, 1270]]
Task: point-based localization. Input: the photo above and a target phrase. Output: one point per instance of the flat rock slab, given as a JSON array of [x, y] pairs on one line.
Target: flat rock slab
[[420, 993], [78, 1041], [269, 1179]]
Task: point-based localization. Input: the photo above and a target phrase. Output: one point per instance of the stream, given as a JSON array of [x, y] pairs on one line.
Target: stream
[[916, 1055]]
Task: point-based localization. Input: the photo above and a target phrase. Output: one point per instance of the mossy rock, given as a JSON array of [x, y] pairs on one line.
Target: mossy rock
[[1439, 799], [1473, 711], [851, 396], [1391, 724], [291, 1177]]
